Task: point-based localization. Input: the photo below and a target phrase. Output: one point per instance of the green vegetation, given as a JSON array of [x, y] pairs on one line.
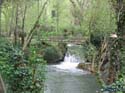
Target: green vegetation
[[22, 72], [26, 25]]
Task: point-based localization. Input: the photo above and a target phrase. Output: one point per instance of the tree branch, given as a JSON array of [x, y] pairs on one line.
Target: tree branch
[[30, 35]]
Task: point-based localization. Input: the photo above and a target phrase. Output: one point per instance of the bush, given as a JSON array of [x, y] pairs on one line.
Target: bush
[[51, 55], [21, 74], [89, 52], [117, 87], [96, 39]]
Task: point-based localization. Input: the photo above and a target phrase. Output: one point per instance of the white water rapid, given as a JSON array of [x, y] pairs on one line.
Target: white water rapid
[[70, 62], [66, 78]]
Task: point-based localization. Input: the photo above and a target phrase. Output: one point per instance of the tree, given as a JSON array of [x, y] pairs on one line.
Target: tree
[[1, 1], [30, 35], [119, 6]]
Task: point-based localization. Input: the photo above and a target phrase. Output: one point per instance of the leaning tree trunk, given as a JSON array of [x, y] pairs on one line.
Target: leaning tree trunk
[[16, 25], [23, 26], [30, 35]]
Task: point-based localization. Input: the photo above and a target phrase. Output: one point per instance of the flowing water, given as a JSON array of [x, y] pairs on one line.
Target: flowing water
[[66, 78]]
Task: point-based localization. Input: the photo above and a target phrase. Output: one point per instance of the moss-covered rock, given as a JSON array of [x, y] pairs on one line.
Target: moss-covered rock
[[54, 54]]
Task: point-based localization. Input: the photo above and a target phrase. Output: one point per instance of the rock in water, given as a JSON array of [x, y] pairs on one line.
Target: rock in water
[[84, 66]]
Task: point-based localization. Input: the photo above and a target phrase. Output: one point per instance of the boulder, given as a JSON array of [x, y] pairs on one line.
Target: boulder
[[54, 54], [84, 66]]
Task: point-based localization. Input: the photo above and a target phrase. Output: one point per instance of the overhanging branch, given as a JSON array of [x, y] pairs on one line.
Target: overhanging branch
[[30, 35]]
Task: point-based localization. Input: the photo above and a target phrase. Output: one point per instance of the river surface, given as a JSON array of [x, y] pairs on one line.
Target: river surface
[[66, 78]]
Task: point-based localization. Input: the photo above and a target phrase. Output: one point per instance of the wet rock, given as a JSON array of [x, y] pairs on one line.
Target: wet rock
[[62, 47], [84, 66]]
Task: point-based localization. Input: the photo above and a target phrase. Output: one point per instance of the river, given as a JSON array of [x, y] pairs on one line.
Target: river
[[66, 78]]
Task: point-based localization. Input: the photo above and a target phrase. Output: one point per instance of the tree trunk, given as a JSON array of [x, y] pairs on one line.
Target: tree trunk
[[23, 26], [120, 12], [16, 26], [2, 86], [30, 35], [0, 15], [11, 21], [119, 6]]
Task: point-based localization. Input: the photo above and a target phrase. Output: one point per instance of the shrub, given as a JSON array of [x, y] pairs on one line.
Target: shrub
[[51, 55], [96, 39], [21, 74]]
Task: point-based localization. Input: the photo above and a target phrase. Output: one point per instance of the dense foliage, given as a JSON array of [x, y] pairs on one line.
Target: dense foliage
[[23, 22], [21, 72]]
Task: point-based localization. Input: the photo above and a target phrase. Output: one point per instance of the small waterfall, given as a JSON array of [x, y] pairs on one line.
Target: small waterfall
[[66, 78], [70, 62]]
